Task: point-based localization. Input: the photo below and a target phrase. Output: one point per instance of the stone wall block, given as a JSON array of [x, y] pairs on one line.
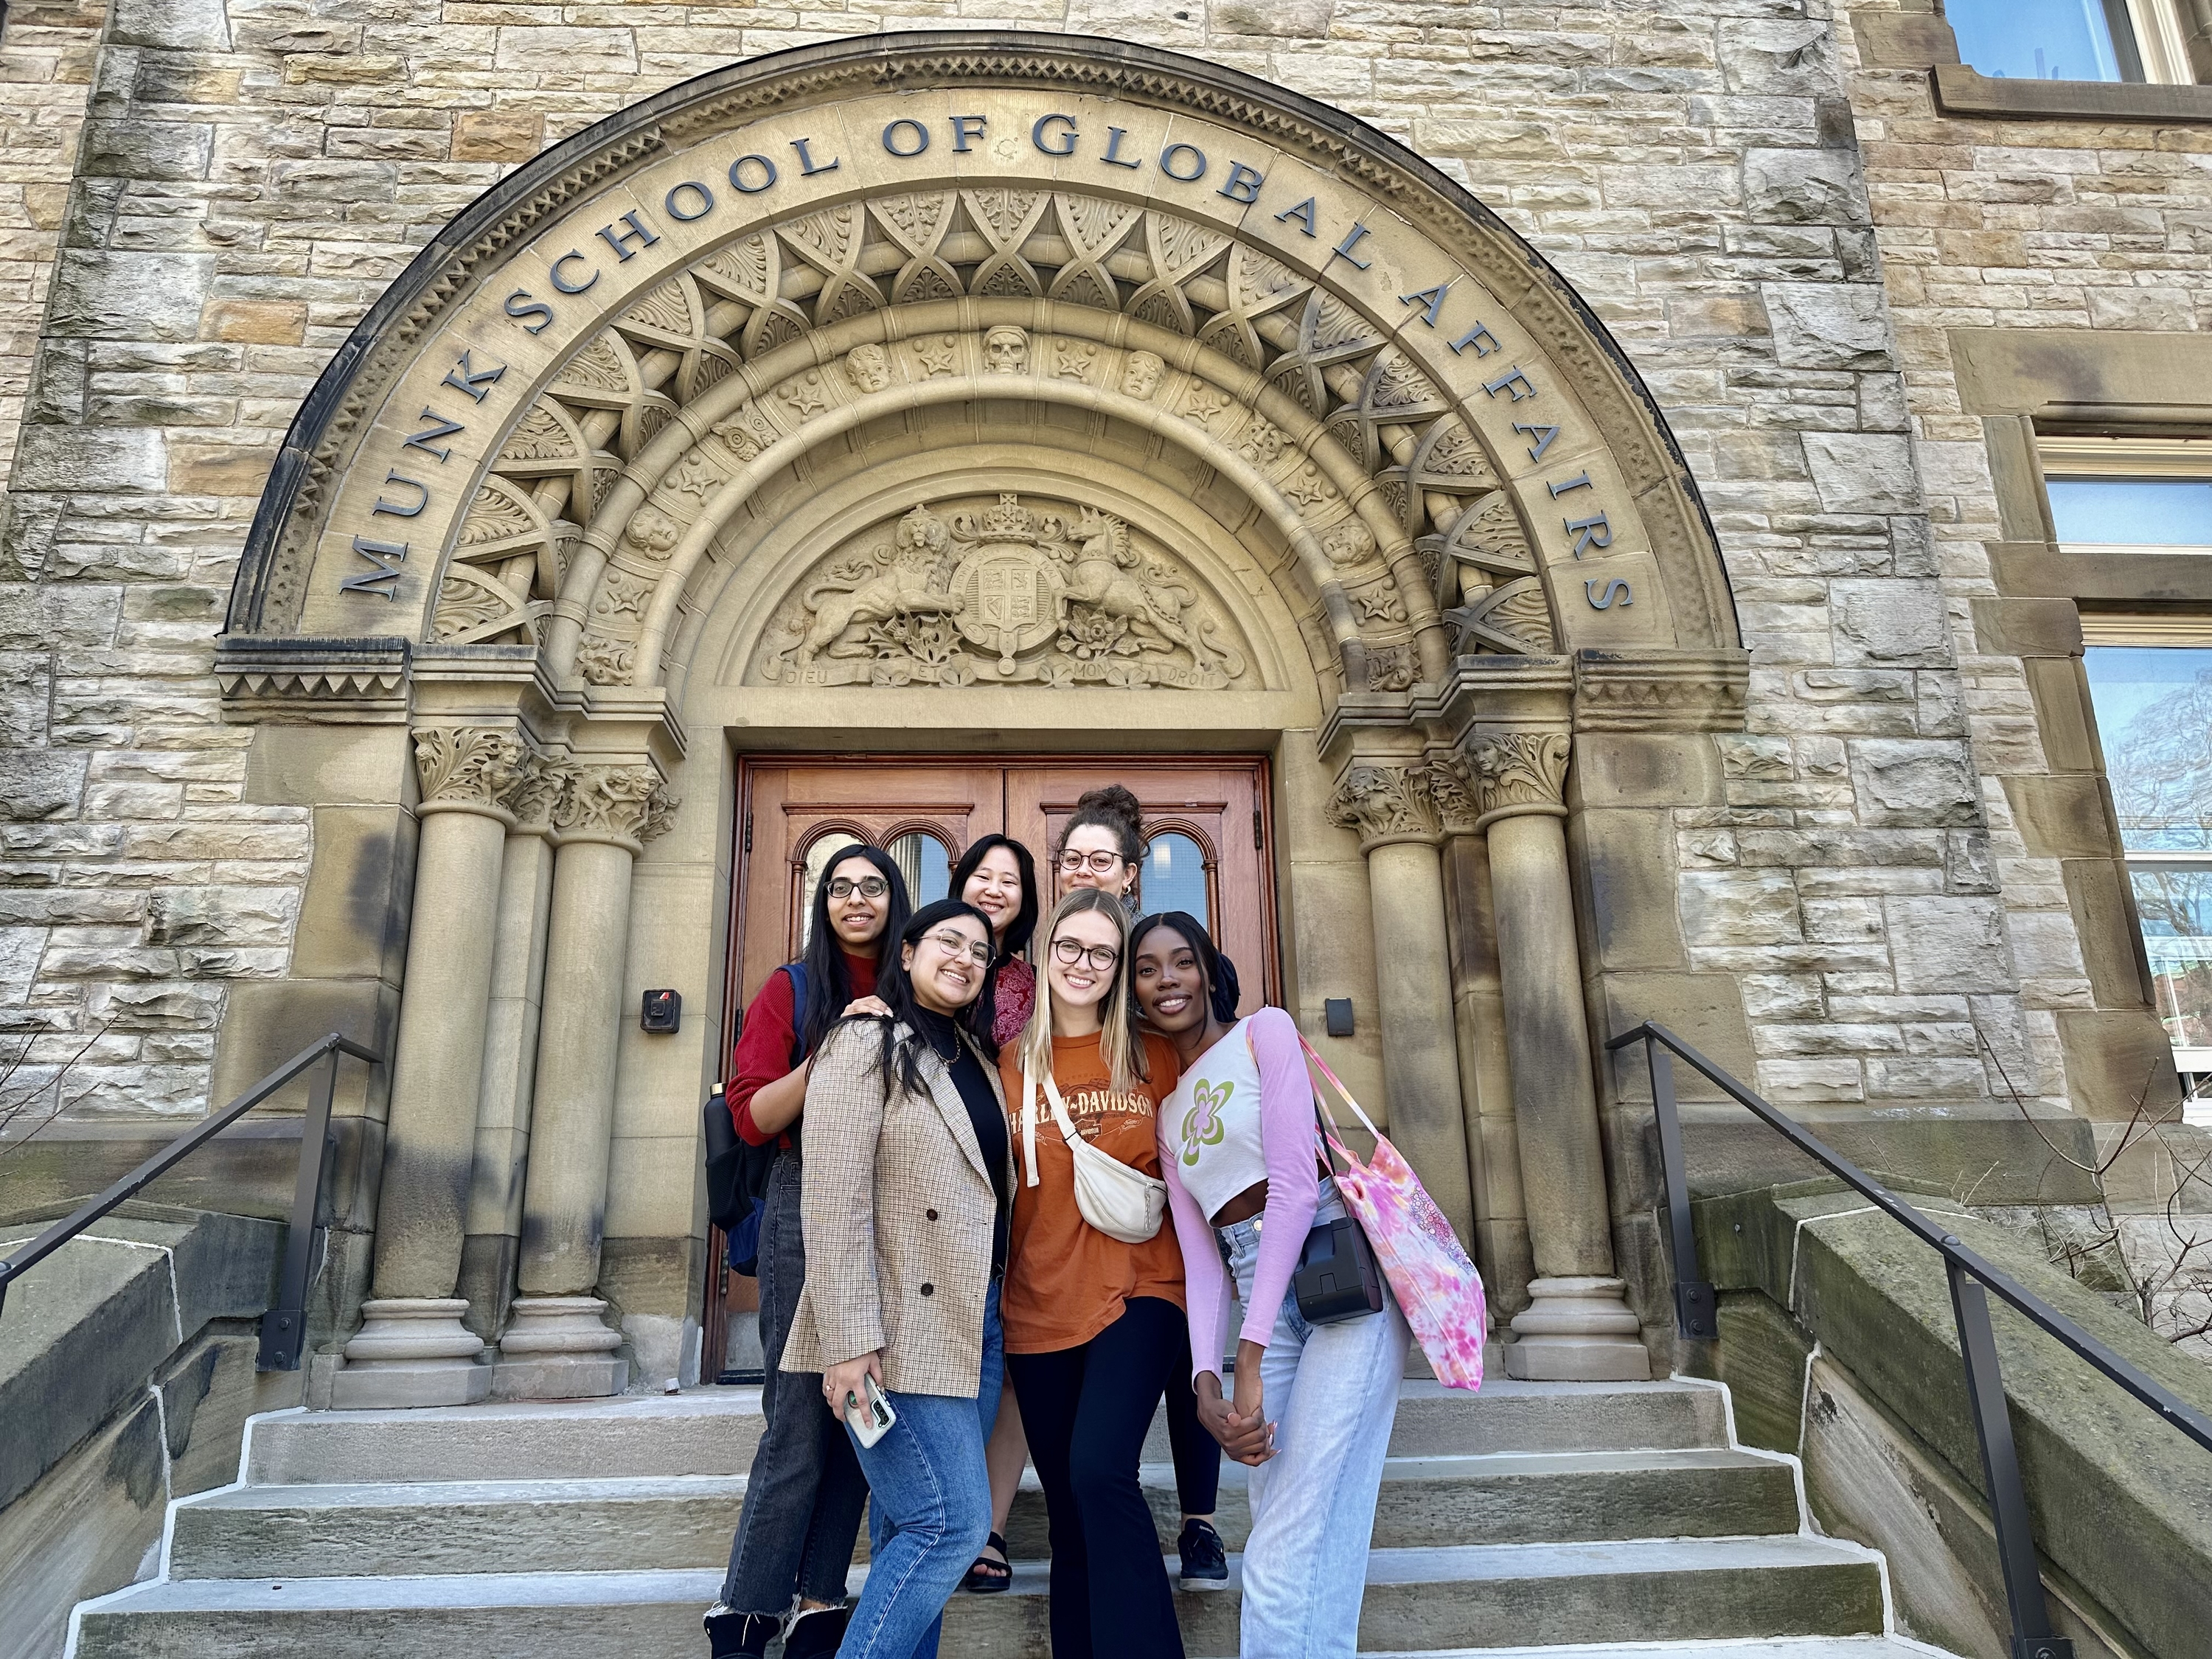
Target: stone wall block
[[1828, 325], [1862, 471], [1909, 782], [1803, 187], [1947, 945], [1891, 622], [188, 25], [40, 783], [113, 459], [130, 296], [1739, 907], [170, 150]]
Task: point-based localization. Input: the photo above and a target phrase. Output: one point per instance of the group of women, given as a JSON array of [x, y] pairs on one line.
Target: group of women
[[934, 1078]]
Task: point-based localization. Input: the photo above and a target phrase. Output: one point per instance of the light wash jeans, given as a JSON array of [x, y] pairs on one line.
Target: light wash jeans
[[1331, 1391], [929, 1510]]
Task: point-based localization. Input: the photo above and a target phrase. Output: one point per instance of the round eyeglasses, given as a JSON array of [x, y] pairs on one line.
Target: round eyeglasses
[[954, 945], [1099, 864], [1069, 952], [868, 886]]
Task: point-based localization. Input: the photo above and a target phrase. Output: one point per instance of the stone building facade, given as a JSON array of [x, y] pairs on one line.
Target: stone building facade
[[1756, 706]]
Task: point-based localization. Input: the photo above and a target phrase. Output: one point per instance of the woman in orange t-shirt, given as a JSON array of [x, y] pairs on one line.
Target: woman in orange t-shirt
[[1095, 1332]]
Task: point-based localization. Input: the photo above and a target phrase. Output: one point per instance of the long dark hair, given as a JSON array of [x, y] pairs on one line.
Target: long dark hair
[[901, 1056], [829, 985], [1221, 988], [1018, 931]]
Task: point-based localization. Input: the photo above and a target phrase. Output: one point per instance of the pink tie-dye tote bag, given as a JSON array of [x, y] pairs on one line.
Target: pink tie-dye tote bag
[[1437, 1286]]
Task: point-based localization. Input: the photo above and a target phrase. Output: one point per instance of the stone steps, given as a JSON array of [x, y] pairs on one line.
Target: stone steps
[[359, 1529], [714, 1432], [1417, 1600]]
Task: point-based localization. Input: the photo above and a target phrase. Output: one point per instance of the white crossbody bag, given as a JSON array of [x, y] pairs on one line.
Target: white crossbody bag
[[1121, 1202]]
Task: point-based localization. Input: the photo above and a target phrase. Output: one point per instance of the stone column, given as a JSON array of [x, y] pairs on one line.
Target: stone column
[[1485, 1080], [1393, 809], [510, 1061], [558, 1346], [1578, 1326], [413, 1348]]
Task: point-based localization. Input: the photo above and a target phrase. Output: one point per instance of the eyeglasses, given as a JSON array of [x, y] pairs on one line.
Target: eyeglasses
[[1099, 864], [955, 945], [868, 887], [1069, 952]]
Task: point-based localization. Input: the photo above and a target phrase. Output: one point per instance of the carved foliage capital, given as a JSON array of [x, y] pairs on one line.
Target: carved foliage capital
[[1458, 795], [625, 804], [1385, 804], [467, 766], [536, 785], [1518, 772]]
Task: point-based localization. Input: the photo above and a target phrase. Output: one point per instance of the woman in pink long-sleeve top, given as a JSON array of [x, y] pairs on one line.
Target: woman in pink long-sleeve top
[[1313, 1405]]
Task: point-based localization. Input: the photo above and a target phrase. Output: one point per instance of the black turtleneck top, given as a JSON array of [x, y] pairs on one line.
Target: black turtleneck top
[[984, 1115]]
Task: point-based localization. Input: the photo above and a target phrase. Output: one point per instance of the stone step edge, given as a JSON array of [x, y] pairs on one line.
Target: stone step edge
[[1432, 1465], [1460, 1564], [711, 1401]]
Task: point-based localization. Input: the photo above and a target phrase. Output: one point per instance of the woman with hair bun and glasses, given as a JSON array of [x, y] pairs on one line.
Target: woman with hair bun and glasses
[[803, 1495], [1313, 1406], [906, 1205], [1094, 1322]]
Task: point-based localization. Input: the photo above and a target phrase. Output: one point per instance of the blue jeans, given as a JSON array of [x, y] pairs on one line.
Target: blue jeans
[[929, 1510], [1331, 1393]]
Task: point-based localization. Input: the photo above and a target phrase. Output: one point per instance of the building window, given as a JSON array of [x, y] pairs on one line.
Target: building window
[[2154, 708], [2129, 493], [1174, 877], [2150, 690], [2073, 40]]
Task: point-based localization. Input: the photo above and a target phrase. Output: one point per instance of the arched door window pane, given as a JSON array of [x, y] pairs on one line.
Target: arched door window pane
[[1174, 876], [926, 864], [819, 856]]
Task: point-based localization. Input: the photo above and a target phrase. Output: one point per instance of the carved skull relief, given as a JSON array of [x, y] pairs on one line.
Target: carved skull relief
[[961, 591], [1006, 350]]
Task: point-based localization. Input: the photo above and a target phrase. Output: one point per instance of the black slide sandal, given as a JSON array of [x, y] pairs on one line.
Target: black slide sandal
[[987, 1577]]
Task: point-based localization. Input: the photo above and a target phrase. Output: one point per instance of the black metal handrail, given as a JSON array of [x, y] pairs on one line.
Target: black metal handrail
[[283, 1328], [1970, 1275]]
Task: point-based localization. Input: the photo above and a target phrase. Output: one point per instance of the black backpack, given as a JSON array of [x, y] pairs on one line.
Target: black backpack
[[738, 1173]]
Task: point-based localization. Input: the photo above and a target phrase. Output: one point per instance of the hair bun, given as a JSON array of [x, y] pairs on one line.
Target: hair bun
[[1112, 801]]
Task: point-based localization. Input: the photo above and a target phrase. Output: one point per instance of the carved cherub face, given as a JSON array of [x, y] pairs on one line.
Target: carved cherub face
[[1140, 376], [868, 368], [1006, 350]]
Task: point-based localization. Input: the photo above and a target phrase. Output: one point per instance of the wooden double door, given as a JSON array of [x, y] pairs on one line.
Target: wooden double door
[[1205, 823]]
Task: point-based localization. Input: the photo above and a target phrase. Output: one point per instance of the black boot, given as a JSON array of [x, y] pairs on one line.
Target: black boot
[[739, 1635], [816, 1632]]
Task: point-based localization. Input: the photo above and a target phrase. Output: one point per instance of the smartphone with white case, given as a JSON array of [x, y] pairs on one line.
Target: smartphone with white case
[[871, 1418]]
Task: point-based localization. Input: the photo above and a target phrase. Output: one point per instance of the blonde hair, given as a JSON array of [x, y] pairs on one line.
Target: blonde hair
[[1118, 1039]]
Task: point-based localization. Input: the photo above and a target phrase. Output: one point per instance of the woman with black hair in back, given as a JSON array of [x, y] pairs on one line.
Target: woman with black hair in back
[[997, 875], [803, 1495]]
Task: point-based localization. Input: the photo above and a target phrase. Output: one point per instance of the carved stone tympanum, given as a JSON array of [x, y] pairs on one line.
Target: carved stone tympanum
[[1007, 592]]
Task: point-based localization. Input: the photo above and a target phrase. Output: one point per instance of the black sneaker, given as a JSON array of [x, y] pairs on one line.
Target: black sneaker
[[1205, 1559], [739, 1635], [816, 1633]]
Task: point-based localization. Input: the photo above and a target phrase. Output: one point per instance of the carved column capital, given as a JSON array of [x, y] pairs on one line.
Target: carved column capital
[[1387, 804], [537, 783], [624, 805], [1457, 794], [1518, 773], [467, 768]]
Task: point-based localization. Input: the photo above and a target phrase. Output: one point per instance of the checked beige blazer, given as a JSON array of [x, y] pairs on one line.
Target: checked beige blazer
[[897, 1207]]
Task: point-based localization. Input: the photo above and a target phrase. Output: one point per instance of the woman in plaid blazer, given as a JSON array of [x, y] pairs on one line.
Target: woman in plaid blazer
[[904, 1204]]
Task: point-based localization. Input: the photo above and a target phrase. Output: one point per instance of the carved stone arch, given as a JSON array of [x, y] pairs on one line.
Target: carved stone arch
[[765, 418], [1421, 309]]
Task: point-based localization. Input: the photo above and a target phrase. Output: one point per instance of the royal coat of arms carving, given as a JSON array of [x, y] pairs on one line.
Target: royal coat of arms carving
[[1004, 594]]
